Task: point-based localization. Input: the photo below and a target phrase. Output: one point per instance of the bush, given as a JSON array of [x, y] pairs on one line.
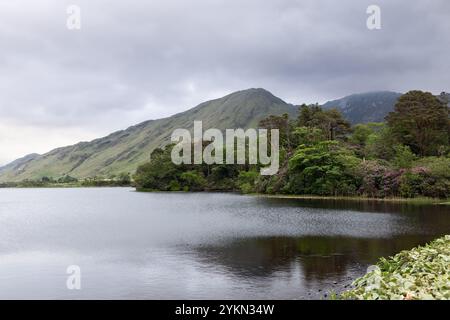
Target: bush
[[323, 169], [247, 180], [174, 185], [247, 188], [404, 157], [422, 273], [430, 177], [412, 183], [193, 180]]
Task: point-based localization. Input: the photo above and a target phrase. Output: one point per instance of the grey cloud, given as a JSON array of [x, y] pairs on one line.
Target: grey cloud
[[135, 60]]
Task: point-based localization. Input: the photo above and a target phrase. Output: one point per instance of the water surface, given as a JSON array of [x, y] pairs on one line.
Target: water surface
[[132, 245]]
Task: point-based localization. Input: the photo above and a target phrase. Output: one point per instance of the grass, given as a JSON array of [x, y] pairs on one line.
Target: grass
[[422, 273], [418, 200]]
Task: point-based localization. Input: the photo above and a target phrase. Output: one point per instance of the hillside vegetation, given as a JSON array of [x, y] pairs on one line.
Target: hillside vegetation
[[122, 151], [322, 154]]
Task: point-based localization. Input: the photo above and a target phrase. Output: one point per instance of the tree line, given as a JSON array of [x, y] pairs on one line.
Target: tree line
[[408, 155]]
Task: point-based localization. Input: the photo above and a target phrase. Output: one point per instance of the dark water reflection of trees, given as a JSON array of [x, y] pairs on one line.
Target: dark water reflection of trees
[[319, 257], [322, 258]]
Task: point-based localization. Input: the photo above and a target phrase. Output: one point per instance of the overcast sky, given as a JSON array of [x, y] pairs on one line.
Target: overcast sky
[[135, 60]]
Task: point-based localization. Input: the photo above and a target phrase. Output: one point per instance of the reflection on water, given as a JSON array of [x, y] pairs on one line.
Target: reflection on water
[[328, 260], [318, 257], [195, 245]]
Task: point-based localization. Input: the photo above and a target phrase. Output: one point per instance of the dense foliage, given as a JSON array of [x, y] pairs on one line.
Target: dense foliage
[[122, 180], [420, 121], [422, 273], [162, 174], [321, 154]]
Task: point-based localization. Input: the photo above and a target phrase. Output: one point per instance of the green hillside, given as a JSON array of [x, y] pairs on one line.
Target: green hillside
[[123, 151]]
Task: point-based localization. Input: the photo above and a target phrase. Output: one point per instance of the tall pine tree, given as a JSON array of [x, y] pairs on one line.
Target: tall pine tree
[[420, 121]]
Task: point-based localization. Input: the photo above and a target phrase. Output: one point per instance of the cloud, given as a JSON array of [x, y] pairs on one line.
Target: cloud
[[137, 60]]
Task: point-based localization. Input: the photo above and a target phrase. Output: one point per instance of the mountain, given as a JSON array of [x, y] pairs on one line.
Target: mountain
[[123, 151], [18, 164], [365, 107]]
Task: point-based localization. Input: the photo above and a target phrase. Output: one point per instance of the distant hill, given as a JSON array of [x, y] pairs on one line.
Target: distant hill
[[123, 151], [18, 164], [365, 107]]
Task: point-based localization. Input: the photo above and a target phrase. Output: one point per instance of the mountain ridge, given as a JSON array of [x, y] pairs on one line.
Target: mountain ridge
[[365, 107], [123, 150]]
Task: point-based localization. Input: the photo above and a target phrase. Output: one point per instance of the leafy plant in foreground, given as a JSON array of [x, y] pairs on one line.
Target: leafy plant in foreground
[[422, 273]]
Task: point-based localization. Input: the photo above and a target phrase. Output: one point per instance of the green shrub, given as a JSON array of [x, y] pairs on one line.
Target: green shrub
[[412, 184], [430, 177], [422, 273], [247, 188], [325, 168], [174, 185], [247, 180], [193, 180], [404, 157]]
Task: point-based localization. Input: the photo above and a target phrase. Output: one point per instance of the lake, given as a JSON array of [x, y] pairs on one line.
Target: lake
[[133, 245]]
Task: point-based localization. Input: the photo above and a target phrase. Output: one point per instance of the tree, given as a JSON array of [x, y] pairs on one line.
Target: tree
[[380, 144], [360, 137], [404, 157], [420, 121], [323, 169], [46, 179], [192, 181], [159, 173], [361, 132], [124, 178], [331, 121], [309, 135], [309, 115], [284, 126], [335, 124], [67, 179]]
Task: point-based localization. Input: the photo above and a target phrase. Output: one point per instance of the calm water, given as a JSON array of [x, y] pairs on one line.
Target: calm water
[[132, 245]]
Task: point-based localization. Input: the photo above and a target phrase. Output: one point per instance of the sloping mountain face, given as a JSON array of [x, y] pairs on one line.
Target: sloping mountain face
[[123, 151], [365, 107], [18, 163], [370, 106]]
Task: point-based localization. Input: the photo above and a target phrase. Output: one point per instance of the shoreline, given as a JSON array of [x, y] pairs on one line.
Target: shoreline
[[419, 200]]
